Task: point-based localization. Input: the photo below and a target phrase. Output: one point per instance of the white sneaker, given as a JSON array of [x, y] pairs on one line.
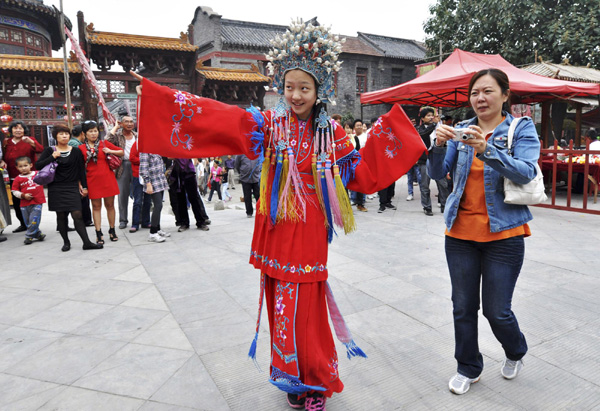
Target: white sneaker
[[163, 233], [155, 238], [410, 197], [459, 384], [510, 369]]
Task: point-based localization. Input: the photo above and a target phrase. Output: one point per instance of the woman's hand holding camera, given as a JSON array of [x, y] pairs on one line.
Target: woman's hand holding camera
[[471, 136]]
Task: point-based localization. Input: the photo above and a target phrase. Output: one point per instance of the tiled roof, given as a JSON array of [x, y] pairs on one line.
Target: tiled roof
[[354, 45], [240, 75], [134, 40], [31, 63], [395, 47], [48, 16], [564, 72], [245, 33]]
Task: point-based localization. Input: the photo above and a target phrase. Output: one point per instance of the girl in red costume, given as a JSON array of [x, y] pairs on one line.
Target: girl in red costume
[[307, 163]]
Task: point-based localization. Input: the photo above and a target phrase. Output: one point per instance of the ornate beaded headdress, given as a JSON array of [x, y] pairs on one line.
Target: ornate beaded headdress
[[313, 49]]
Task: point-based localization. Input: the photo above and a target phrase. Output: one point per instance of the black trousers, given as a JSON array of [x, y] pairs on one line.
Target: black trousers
[[385, 195], [250, 189], [189, 192]]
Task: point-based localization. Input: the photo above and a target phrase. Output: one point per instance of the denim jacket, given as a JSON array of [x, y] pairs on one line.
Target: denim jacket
[[457, 157]]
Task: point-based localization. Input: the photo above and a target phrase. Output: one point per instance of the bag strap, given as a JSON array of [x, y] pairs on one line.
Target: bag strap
[[511, 132]]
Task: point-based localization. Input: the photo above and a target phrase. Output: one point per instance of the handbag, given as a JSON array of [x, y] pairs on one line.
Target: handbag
[[523, 194], [46, 174], [114, 162]]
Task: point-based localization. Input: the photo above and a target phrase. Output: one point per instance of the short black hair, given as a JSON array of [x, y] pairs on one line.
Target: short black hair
[[358, 120], [76, 130], [16, 123], [426, 110], [87, 125], [374, 119], [61, 127], [22, 158]]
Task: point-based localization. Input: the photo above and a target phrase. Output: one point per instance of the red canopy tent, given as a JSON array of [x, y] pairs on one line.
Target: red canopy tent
[[447, 85]]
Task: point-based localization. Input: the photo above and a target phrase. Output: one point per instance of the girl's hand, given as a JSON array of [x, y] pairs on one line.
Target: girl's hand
[[83, 192], [139, 78], [149, 189], [56, 154], [27, 196], [107, 150]]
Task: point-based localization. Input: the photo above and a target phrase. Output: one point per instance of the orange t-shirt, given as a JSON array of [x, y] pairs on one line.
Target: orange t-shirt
[[472, 222]]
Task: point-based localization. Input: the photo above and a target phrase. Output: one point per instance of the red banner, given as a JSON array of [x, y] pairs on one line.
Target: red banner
[[89, 76]]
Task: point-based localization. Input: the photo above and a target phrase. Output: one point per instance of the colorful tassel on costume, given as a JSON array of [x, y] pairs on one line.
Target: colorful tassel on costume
[[333, 200], [252, 351], [326, 204], [317, 180], [275, 187], [344, 202], [339, 325], [264, 176]]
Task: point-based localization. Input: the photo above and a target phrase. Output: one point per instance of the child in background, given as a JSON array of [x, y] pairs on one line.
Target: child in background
[[32, 197]]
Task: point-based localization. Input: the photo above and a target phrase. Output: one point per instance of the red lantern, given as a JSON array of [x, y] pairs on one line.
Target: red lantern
[[72, 106], [7, 118], [5, 130], [66, 118], [5, 106]]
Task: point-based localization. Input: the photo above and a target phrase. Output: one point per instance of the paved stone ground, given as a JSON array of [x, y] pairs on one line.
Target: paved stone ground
[[144, 326]]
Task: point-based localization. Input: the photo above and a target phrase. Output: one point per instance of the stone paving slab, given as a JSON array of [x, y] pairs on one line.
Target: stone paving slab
[[165, 327]]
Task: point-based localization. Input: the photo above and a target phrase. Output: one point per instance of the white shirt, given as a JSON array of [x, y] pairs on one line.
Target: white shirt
[[128, 145]]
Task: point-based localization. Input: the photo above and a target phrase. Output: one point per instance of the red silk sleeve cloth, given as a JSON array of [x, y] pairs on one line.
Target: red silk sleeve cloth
[[180, 125]]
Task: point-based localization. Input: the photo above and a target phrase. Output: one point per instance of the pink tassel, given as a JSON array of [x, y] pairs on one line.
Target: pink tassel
[[333, 201]]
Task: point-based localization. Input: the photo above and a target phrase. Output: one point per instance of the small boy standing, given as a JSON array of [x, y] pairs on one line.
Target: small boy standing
[[32, 197]]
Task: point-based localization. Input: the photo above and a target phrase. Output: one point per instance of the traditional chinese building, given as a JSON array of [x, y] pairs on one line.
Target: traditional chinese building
[[168, 61], [371, 62], [31, 81]]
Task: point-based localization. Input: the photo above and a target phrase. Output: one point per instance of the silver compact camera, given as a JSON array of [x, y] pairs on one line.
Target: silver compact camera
[[460, 135]]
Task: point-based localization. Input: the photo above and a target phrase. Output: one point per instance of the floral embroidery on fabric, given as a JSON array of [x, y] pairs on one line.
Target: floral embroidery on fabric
[[289, 267], [281, 319], [395, 144], [186, 111], [333, 367]]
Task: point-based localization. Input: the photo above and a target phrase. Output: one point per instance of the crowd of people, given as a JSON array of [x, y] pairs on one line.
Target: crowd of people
[[303, 201], [83, 177]]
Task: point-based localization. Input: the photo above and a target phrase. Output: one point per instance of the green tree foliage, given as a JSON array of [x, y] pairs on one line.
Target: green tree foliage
[[516, 29]]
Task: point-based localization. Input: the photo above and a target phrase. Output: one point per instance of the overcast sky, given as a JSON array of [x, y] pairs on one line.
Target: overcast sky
[[394, 18]]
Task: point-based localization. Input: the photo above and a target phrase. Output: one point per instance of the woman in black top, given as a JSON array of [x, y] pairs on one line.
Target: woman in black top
[[69, 185]]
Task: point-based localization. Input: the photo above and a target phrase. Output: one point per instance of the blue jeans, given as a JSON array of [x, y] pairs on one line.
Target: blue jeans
[[32, 215], [494, 268], [138, 196], [358, 198], [412, 175]]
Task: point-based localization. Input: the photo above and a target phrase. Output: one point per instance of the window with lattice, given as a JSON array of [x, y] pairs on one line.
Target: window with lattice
[[3, 34], [16, 36], [46, 113], [15, 111], [29, 39], [61, 112], [117, 86], [38, 41], [103, 86], [30, 112], [361, 80]]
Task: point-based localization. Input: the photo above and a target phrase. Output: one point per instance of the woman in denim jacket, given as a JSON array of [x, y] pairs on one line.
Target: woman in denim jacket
[[484, 235]]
